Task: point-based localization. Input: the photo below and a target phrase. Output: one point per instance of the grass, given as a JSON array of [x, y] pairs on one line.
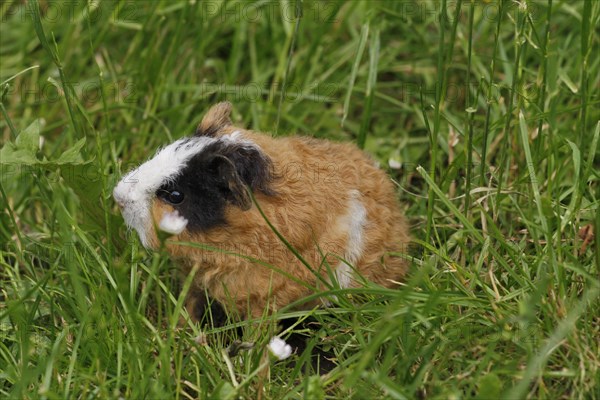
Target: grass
[[484, 113]]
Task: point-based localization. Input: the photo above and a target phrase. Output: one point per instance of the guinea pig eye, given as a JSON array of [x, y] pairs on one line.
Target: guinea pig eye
[[173, 196]]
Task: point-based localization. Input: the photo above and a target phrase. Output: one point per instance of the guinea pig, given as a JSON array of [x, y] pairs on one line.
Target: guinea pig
[[224, 186]]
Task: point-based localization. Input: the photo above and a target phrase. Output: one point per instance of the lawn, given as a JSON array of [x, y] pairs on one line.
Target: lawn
[[485, 114]]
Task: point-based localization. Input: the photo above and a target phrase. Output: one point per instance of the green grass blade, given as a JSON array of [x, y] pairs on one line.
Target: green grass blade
[[532, 174], [298, 18], [362, 42], [374, 46]]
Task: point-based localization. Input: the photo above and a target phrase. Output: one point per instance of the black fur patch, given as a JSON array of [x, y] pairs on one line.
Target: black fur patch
[[216, 177], [207, 310]]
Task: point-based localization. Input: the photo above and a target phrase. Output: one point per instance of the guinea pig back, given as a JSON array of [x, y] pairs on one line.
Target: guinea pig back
[[328, 200]]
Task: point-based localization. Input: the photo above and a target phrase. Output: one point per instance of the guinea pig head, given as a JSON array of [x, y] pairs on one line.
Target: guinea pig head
[[188, 184]]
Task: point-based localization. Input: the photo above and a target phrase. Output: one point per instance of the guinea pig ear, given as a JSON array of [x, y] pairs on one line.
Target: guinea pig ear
[[253, 166], [231, 183], [216, 118]]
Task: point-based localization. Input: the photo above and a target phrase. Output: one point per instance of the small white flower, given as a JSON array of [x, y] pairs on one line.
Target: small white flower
[[279, 348], [394, 164], [173, 223]]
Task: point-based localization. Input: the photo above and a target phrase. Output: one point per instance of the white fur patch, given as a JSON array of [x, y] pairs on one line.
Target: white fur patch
[[172, 222], [136, 190], [356, 218]]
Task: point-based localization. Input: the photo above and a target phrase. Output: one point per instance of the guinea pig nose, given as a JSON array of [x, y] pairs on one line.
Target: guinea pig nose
[[118, 197]]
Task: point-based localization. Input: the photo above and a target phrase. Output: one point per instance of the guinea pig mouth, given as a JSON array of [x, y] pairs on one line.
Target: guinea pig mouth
[[138, 219], [120, 202]]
